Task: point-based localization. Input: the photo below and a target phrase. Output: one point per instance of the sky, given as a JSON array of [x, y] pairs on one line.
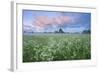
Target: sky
[[50, 21]]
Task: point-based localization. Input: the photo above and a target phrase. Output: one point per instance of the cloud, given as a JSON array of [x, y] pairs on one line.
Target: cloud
[[42, 22], [29, 27]]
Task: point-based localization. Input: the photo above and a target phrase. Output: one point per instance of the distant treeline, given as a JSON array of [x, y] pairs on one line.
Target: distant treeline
[[60, 31]]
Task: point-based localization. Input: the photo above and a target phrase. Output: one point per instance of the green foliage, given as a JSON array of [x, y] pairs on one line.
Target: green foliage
[[56, 47]]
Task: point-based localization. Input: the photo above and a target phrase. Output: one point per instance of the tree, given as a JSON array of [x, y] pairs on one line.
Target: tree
[[61, 31], [86, 31]]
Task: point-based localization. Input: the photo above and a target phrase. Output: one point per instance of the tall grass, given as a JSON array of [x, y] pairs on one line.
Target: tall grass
[[56, 47]]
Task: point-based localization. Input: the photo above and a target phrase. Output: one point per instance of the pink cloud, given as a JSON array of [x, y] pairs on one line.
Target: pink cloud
[[60, 20], [43, 21]]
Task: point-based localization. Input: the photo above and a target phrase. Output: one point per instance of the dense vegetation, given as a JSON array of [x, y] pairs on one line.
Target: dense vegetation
[[56, 47]]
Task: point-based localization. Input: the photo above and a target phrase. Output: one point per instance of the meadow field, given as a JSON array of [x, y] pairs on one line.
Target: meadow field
[[56, 47]]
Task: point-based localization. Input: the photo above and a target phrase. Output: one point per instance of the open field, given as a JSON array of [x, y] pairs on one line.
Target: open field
[[56, 47]]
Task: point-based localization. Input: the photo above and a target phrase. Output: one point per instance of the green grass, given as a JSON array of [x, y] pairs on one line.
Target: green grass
[[56, 47]]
